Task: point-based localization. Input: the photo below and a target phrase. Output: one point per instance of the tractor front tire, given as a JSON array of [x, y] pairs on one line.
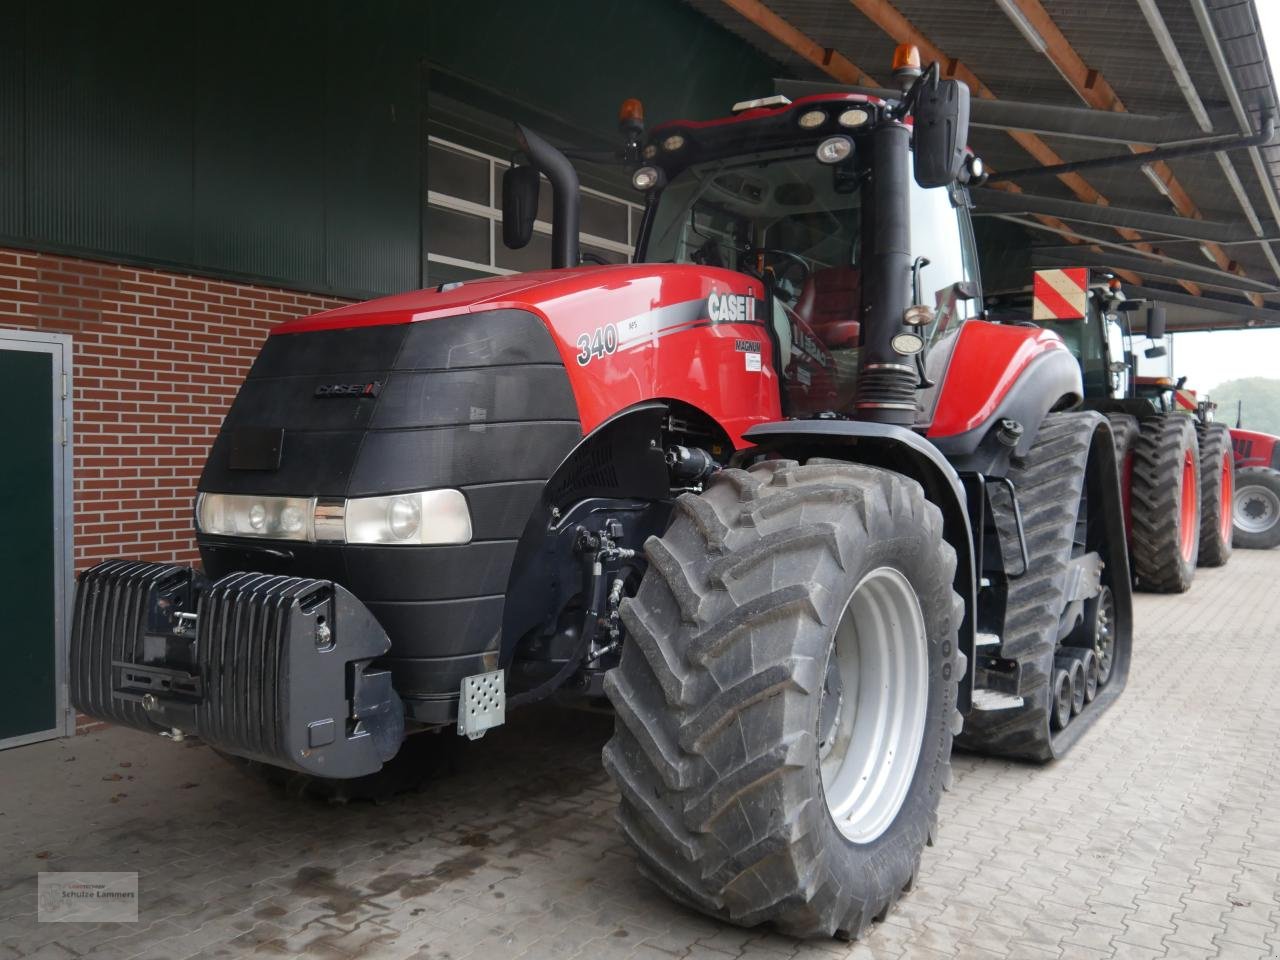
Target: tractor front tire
[[1217, 486], [1256, 512], [786, 698], [1164, 504]]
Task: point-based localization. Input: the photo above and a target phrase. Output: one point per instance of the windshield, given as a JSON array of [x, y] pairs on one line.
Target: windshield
[[725, 213]]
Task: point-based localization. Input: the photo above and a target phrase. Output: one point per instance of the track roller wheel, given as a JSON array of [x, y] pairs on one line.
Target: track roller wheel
[[1075, 670], [786, 696], [1089, 664], [1061, 715]]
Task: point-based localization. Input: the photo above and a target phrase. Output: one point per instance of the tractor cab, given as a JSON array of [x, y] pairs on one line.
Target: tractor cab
[[785, 192]]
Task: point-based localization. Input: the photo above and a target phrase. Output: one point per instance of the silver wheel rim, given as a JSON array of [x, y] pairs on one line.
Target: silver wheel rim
[[1255, 509], [874, 703], [1104, 635]]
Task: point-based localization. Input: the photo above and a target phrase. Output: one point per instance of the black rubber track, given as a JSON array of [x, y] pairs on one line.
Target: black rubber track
[[1050, 482], [1215, 443], [1155, 504], [715, 749], [1258, 477]]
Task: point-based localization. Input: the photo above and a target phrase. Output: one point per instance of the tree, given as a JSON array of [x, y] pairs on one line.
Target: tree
[[1261, 398]]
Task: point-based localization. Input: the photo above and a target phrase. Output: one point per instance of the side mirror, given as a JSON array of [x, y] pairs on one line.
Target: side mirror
[[519, 205], [1157, 351], [1156, 322], [941, 114]]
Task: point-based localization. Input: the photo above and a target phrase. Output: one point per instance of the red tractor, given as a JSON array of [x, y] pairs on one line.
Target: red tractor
[[1256, 513], [793, 518], [1252, 502]]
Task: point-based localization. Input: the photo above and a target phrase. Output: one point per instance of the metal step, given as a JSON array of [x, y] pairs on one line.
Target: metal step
[[993, 700], [986, 639]]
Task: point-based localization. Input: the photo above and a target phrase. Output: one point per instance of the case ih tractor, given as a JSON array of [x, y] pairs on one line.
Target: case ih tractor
[[1177, 472], [790, 515]]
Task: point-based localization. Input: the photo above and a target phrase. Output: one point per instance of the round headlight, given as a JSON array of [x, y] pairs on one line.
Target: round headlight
[[811, 119], [258, 516], [854, 117], [650, 151], [673, 142], [834, 149], [907, 343], [291, 519], [646, 178], [404, 516]]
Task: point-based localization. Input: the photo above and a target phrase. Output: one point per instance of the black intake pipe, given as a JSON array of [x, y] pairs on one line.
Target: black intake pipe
[[565, 201], [887, 380]]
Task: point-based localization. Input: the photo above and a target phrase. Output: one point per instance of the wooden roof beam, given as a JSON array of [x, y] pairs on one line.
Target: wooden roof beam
[[1092, 87]]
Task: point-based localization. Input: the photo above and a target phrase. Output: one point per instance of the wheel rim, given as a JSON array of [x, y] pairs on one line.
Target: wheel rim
[[1104, 638], [1255, 509], [1225, 497], [874, 701], [1189, 531]]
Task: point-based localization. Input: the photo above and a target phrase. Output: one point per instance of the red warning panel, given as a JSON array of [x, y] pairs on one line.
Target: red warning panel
[[1060, 294]]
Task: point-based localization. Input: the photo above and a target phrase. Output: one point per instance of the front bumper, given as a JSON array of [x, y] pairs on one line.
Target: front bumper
[[273, 668]]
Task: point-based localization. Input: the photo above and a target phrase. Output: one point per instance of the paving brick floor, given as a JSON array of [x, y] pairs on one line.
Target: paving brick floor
[[1159, 836]]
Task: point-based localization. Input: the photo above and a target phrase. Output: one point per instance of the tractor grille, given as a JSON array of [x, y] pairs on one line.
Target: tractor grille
[[112, 607], [244, 642]]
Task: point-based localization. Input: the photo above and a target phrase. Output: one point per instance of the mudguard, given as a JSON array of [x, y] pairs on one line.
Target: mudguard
[[1000, 372]]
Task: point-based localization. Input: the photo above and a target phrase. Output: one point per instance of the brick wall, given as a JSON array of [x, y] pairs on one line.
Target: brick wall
[[158, 357], [157, 360]]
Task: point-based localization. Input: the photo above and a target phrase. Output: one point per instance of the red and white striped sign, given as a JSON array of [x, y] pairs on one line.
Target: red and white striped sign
[[1060, 294], [1185, 399]]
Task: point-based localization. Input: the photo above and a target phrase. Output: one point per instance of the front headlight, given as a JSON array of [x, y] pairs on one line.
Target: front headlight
[[430, 517], [271, 518]]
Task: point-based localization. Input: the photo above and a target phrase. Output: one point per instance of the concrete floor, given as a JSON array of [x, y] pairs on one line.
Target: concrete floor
[[1159, 836]]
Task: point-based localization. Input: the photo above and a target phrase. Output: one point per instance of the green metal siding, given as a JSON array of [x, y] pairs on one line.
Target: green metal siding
[[283, 142]]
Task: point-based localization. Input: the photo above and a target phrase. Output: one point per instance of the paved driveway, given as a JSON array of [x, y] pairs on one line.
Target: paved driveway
[[1158, 836]]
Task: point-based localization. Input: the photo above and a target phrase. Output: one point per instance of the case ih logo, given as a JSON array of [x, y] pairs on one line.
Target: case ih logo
[[358, 390], [731, 308]]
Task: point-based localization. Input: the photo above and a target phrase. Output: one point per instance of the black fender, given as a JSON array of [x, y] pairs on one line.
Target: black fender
[[1051, 382], [620, 461], [906, 452]]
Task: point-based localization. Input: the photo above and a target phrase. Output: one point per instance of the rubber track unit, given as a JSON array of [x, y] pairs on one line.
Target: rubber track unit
[[1155, 504], [1050, 482], [715, 750], [1124, 431], [1258, 477], [1215, 443]]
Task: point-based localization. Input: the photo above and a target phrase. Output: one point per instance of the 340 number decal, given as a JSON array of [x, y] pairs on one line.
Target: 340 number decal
[[599, 343]]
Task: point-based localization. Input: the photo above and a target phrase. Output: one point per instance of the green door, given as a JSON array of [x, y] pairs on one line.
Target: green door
[[31, 580]]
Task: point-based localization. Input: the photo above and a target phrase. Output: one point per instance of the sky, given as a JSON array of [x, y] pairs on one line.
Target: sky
[[1208, 359]]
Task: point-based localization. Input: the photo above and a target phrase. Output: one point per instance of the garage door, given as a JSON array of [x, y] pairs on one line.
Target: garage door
[[35, 519]]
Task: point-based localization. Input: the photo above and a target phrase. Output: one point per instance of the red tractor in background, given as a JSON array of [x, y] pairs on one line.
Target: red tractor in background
[[792, 516], [1176, 471], [1253, 508], [1256, 512]]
